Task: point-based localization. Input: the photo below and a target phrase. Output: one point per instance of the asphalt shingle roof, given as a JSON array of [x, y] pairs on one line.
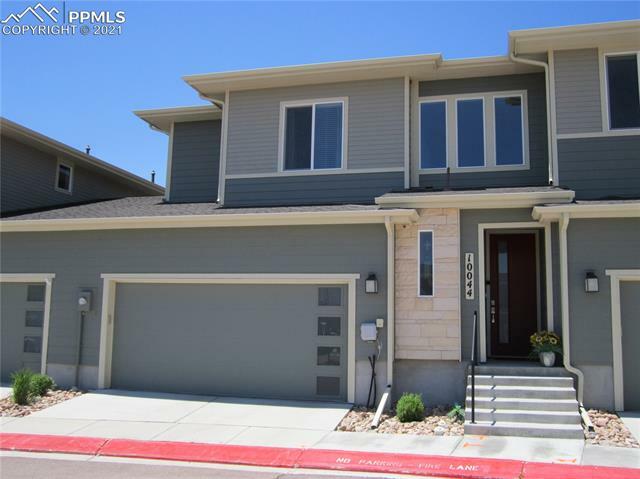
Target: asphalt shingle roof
[[155, 206]]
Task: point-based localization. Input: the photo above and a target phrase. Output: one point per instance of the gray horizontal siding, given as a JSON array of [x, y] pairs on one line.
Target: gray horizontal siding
[[600, 167], [375, 124], [195, 161], [577, 81], [538, 172], [311, 189], [28, 180], [79, 258], [596, 245]]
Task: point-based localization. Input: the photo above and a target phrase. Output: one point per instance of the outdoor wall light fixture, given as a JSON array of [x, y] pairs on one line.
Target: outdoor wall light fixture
[[591, 283], [371, 284]]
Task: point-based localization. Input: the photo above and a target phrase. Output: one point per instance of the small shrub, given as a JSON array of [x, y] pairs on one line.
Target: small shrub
[[40, 384], [456, 413], [21, 384], [410, 408]]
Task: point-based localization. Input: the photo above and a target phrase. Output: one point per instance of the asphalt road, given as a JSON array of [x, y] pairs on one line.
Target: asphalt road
[[37, 467]]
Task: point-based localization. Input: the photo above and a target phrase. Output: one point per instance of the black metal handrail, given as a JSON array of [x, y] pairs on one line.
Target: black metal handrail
[[474, 361]]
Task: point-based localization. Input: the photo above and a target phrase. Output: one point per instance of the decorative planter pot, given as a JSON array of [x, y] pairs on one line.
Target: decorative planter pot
[[548, 358]]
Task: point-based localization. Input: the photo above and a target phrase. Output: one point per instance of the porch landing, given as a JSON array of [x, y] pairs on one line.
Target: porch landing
[[522, 398]]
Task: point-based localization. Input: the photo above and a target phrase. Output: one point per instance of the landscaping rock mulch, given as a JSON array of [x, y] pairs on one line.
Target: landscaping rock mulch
[[9, 408], [609, 430], [435, 423]]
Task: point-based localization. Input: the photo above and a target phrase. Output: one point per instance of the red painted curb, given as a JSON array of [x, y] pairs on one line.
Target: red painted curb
[[44, 443], [196, 452], [537, 470], [414, 464]]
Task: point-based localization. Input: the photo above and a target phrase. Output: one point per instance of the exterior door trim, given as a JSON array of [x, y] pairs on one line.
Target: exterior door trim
[[109, 302], [47, 279], [618, 275], [482, 227]]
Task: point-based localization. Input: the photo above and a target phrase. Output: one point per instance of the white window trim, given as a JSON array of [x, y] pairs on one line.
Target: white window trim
[[70, 166], [433, 265], [523, 129], [47, 279], [110, 280], [616, 276], [446, 133], [312, 103], [489, 132], [604, 90]]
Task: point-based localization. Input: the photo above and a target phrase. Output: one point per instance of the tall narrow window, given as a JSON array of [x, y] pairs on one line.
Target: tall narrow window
[[63, 178], [470, 122], [297, 153], [327, 145], [623, 94], [433, 134], [313, 136], [509, 131], [425, 266]]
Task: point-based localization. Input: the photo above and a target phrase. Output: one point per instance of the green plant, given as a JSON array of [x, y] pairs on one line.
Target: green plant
[[545, 342], [410, 408], [456, 413], [21, 384], [40, 384]]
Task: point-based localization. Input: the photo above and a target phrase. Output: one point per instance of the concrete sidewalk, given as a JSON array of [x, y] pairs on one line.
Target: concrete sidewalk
[[290, 424]]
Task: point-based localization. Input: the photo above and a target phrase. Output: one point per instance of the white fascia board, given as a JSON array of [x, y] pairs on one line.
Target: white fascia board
[[554, 212], [575, 36], [161, 118], [204, 221], [477, 200]]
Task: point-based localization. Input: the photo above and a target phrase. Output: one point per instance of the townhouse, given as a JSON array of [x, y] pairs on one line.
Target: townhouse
[[317, 215]]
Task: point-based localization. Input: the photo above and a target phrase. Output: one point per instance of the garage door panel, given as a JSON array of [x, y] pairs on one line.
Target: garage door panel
[[249, 340]]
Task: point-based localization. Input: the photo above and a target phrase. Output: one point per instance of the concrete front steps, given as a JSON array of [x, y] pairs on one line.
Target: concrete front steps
[[527, 401]]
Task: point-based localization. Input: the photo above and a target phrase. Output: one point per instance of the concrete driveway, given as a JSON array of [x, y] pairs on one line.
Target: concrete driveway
[[174, 417]]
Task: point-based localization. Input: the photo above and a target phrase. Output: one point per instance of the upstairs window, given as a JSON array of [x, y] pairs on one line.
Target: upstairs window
[[433, 134], [470, 123], [313, 136], [64, 178], [509, 133], [623, 91], [473, 132]]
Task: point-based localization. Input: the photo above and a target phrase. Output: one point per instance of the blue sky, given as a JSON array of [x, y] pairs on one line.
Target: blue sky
[[81, 90]]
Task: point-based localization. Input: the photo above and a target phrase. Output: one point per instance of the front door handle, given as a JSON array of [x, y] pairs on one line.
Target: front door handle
[[493, 312]]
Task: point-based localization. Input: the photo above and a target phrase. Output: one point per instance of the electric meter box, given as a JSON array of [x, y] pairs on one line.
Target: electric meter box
[[368, 331]]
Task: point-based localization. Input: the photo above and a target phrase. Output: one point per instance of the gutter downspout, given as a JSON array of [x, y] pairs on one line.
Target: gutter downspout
[[391, 291], [550, 132], [564, 300]]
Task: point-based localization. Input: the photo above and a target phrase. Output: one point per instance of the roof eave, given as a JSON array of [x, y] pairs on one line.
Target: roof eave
[[479, 200], [554, 212], [215, 220]]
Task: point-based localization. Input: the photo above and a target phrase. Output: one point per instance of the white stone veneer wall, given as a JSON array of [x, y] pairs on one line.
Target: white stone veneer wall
[[429, 328]]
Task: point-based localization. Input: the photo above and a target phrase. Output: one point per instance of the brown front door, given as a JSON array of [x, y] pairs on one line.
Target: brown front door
[[513, 304]]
